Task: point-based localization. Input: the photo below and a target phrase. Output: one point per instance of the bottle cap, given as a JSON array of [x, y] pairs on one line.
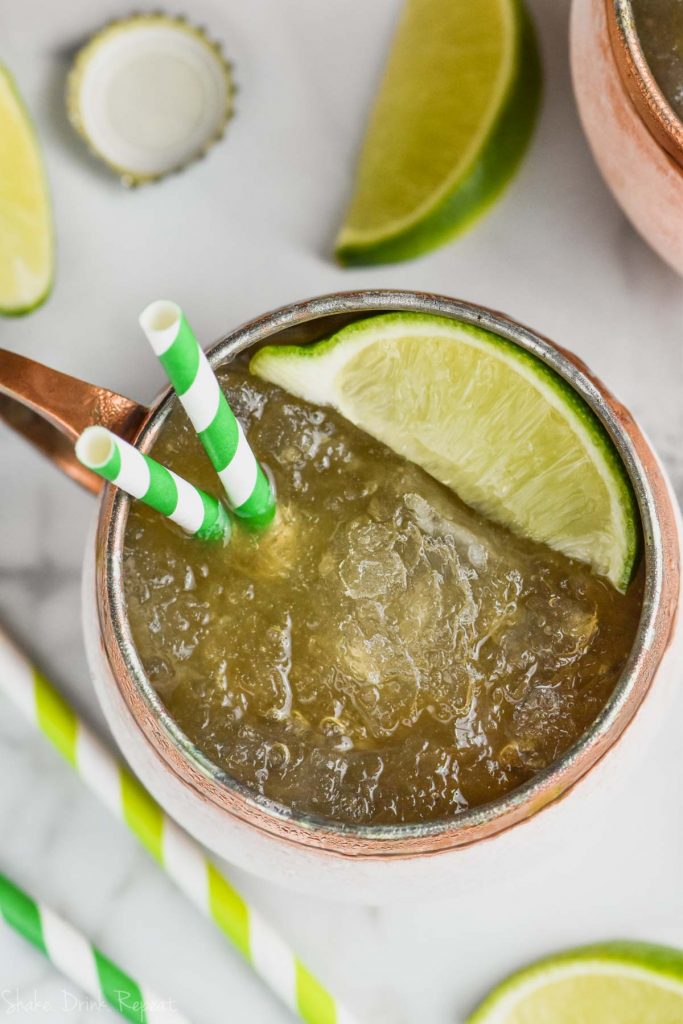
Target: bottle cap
[[150, 94]]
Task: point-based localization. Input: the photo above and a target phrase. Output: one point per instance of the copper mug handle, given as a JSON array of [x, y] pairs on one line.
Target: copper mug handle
[[50, 409]]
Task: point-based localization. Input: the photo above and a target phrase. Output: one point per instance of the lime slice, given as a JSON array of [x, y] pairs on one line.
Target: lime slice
[[484, 417], [453, 117], [614, 983], [26, 243]]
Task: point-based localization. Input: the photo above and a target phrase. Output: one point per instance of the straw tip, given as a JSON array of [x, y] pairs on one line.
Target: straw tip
[[94, 447], [160, 321]]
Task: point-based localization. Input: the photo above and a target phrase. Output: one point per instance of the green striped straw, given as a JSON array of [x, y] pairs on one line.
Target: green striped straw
[[114, 459], [250, 495], [180, 856], [79, 960]]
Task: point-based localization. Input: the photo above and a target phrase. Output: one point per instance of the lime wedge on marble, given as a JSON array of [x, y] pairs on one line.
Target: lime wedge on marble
[[483, 416], [614, 983], [450, 124], [26, 238]]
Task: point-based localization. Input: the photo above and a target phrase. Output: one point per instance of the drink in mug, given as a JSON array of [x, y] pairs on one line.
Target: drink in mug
[[383, 654], [659, 24]]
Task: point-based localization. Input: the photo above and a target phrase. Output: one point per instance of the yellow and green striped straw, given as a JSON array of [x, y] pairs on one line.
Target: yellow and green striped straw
[[249, 492], [80, 961], [116, 460], [180, 856]]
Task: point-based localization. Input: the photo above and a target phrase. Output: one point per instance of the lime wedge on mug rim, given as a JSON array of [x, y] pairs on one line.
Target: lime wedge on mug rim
[[26, 238], [624, 982], [484, 417], [451, 122]]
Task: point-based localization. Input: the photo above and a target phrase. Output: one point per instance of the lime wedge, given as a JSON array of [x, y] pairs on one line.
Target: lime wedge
[[453, 117], [484, 417], [26, 245], [614, 983]]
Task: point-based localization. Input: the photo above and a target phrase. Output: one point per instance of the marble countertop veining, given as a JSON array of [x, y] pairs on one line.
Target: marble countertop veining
[[245, 230]]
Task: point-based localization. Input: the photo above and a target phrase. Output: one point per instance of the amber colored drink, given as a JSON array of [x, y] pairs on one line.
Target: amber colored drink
[[382, 654], [659, 24]]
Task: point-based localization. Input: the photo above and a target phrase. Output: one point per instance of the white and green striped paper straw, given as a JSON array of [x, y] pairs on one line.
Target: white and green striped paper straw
[[78, 959], [180, 856], [142, 477], [249, 492]]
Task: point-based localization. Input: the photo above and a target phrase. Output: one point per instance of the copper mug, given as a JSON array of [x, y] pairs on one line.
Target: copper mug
[[366, 863], [635, 136]]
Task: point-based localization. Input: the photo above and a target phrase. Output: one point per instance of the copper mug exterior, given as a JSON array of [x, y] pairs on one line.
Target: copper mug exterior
[[635, 136], [364, 863]]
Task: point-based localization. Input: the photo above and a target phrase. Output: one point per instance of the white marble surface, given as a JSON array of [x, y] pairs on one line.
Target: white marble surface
[[246, 230]]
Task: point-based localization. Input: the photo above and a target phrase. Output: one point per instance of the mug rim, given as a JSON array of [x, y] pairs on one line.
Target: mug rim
[[653, 108], [215, 786]]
